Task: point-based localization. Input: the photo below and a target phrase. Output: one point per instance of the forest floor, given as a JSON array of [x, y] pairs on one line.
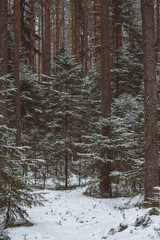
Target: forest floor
[[69, 215]]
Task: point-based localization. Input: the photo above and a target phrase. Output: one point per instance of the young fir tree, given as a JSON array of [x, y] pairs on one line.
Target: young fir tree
[[65, 115]]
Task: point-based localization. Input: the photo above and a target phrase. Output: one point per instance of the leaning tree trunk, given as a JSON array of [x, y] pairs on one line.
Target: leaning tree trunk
[[106, 92], [150, 98]]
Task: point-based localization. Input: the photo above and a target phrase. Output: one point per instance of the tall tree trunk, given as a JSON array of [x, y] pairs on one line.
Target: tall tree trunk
[[86, 36], [16, 62], [9, 11], [3, 72], [150, 98], [158, 27], [47, 49], [42, 36], [72, 13], [97, 32], [39, 41], [57, 27], [3, 57], [75, 27], [63, 16], [32, 39], [106, 91]]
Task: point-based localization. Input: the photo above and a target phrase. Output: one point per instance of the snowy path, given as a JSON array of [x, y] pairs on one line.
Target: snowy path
[[68, 215]]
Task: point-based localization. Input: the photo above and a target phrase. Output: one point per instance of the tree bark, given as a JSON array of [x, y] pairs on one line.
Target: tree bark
[[3, 84], [57, 27], [63, 36], [42, 37], [105, 91], [16, 63], [158, 27], [72, 13], [47, 49], [86, 36], [3, 57], [39, 41], [150, 98]]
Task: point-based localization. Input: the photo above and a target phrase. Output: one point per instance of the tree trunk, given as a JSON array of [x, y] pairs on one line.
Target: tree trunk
[[75, 27], [158, 26], [9, 11], [86, 36], [97, 32], [39, 41], [72, 13], [106, 91], [3, 72], [57, 27], [3, 57], [32, 61], [16, 62], [42, 36], [63, 36], [47, 49], [150, 98]]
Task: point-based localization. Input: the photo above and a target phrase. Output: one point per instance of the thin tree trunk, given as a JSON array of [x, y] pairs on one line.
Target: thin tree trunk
[[75, 27], [106, 92], [86, 36], [63, 37], [158, 26], [3, 57], [39, 41], [16, 62], [57, 27], [72, 13], [47, 49], [42, 36], [32, 39], [3, 84], [66, 151], [97, 32], [9, 11], [150, 98]]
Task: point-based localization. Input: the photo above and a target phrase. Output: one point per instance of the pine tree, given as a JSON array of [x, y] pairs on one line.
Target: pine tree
[[106, 93], [16, 62], [150, 99], [3, 82]]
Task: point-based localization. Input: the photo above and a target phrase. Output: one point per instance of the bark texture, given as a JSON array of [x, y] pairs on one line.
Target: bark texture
[[57, 27], [16, 62], [47, 49], [106, 91], [150, 98], [86, 35], [3, 56], [3, 85]]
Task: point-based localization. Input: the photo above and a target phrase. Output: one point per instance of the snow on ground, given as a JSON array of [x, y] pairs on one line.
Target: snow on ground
[[69, 215]]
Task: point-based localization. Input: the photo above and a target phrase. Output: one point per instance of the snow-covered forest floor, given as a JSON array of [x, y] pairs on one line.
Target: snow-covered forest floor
[[69, 215]]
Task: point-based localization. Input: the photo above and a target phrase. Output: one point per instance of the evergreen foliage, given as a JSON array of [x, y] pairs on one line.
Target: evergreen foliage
[[65, 114]]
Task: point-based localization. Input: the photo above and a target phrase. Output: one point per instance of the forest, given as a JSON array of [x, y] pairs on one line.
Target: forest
[[79, 103]]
